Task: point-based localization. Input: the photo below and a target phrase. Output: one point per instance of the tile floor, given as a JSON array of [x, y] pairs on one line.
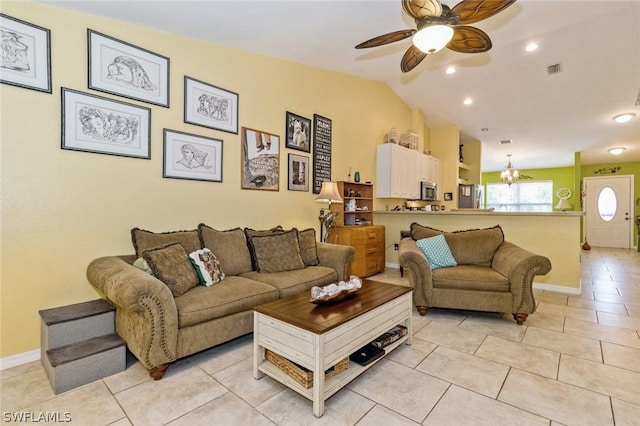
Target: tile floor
[[576, 361]]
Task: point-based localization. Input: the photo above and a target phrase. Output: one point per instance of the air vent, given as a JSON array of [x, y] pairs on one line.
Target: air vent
[[638, 99], [553, 69], [505, 141]]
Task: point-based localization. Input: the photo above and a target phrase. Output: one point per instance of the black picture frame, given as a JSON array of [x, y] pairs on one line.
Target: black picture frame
[[126, 70], [322, 136], [298, 131], [210, 106], [193, 157], [99, 125], [29, 66]]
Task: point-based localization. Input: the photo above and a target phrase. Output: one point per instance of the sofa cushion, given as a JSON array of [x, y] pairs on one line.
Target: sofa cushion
[[294, 282], [146, 240], [207, 267], [230, 247], [308, 248], [437, 252], [277, 252], [249, 233], [232, 295], [171, 265], [469, 247], [470, 277]]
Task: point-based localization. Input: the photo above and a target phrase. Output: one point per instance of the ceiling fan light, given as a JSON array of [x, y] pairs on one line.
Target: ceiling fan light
[[433, 38], [623, 118]]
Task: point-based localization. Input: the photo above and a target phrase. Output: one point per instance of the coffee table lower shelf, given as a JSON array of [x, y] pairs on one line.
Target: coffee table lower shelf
[[332, 384]]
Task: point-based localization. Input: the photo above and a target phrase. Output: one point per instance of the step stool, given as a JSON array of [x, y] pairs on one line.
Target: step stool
[[78, 344]]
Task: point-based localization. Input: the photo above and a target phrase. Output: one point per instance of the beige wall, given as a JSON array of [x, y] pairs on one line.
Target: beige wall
[[60, 209]]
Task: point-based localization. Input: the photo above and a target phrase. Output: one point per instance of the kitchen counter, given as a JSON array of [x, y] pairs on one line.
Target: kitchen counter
[[555, 235]]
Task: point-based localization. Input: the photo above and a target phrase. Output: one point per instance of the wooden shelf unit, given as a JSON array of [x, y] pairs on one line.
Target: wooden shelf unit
[[362, 193]]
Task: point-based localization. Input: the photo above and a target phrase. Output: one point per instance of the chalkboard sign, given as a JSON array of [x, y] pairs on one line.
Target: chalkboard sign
[[321, 151]]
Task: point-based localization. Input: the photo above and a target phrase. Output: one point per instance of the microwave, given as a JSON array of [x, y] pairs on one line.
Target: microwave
[[428, 191]]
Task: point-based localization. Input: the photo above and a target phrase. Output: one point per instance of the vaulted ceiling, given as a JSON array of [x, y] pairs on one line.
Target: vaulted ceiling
[[548, 117]]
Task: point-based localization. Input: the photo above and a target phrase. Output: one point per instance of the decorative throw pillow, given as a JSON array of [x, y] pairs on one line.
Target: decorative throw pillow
[[250, 233], [146, 240], [437, 252], [140, 263], [277, 252], [308, 248], [207, 267], [230, 247], [171, 265]]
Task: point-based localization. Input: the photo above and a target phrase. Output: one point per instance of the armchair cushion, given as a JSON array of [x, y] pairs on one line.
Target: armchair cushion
[[437, 252], [171, 265]]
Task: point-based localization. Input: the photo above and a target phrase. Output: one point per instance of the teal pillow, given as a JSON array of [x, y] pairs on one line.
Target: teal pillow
[[437, 251]]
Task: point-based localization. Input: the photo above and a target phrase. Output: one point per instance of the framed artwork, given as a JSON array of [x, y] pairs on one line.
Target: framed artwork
[[123, 69], [260, 168], [321, 151], [210, 106], [298, 132], [298, 173], [194, 157], [95, 124], [25, 54], [448, 196]]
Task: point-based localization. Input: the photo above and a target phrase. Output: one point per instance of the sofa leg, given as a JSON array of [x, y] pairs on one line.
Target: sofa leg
[[520, 318], [158, 371], [422, 310]]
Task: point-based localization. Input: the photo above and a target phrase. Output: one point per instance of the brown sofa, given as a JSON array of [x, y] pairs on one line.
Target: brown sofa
[[162, 321], [491, 274]]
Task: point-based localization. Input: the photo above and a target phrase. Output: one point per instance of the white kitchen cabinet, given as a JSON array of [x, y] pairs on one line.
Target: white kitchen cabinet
[[400, 170]]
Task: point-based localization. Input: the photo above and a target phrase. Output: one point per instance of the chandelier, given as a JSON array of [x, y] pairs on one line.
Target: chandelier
[[509, 175]]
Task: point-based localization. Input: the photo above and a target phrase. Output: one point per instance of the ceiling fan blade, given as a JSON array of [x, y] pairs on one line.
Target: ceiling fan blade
[[469, 40], [418, 9], [386, 39], [412, 57], [470, 11]]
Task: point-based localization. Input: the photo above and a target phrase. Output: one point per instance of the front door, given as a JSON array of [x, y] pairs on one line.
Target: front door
[[609, 222]]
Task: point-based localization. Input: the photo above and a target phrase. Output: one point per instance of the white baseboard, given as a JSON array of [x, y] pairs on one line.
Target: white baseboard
[[392, 265], [558, 289], [19, 359]]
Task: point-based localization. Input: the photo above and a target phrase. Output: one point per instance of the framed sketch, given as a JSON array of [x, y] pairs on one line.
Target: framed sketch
[[298, 132], [210, 106], [448, 196], [95, 124], [194, 157], [123, 69], [260, 168], [25, 54], [298, 173]]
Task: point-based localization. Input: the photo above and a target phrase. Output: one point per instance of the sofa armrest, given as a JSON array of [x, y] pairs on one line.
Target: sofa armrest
[[416, 265], [336, 256], [146, 314], [520, 266]]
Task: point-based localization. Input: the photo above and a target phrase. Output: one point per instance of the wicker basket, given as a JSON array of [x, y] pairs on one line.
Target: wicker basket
[[301, 374]]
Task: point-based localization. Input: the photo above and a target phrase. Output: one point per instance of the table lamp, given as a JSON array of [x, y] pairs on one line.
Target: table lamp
[[563, 204], [328, 194]]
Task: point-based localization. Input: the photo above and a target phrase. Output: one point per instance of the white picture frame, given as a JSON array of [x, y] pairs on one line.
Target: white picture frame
[[189, 156], [91, 123], [25, 54], [210, 106], [123, 69]]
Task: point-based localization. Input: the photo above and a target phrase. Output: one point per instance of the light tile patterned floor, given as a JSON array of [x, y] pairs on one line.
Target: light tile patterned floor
[[575, 361]]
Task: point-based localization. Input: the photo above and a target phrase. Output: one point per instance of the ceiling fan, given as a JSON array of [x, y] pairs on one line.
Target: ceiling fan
[[439, 26]]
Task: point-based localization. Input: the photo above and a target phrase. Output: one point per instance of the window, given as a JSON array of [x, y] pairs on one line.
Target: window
[[521, 196]]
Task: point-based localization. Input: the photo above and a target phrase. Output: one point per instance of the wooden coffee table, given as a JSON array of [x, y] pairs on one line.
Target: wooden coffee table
[[319, 336]]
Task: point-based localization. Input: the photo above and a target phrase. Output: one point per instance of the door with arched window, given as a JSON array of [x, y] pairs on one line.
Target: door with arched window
[[608, 214]]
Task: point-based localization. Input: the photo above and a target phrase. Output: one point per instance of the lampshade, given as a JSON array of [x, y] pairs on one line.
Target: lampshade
[[563, 204], [329, 193], [432, 38]]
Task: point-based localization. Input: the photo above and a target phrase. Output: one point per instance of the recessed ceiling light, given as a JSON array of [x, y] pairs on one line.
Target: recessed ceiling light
[[484, 129], [451, 69], [531, 47], [623, 118], [616, 151], [468, 101]]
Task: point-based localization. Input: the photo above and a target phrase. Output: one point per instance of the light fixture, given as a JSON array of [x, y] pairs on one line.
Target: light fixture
[[451, 69], [531, 47], [432, 38], [623, 118], [468, 101], [616, 151], [509, 175], [563, 204], [328, 194]]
